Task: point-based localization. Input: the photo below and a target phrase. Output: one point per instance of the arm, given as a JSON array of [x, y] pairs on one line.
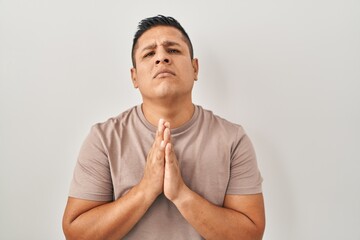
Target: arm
[[85, 219], [241, 217]]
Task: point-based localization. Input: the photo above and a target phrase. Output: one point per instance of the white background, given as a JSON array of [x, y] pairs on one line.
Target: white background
[[288, 71]]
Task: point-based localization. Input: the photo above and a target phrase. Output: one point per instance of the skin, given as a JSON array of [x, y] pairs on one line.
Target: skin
[[165, 75], [163, 50]]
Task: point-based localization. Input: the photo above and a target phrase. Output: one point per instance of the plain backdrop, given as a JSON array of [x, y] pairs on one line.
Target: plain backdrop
[[287, 71]]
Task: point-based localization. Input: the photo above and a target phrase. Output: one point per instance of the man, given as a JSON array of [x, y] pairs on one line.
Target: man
[[166, 169]]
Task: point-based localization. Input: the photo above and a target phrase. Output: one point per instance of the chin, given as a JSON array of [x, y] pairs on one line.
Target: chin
[[165, 89]]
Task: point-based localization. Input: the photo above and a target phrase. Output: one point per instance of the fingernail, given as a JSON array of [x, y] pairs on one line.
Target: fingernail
[[161, 122]]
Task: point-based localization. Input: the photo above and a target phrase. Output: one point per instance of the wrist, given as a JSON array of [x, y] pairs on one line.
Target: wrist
[[148, 191], [183, 197]]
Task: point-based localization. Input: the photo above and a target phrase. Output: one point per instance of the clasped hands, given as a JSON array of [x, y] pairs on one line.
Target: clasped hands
[[162, 172]]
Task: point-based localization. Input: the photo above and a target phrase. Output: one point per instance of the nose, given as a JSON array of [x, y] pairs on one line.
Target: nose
[[165, 60], [162, 57]]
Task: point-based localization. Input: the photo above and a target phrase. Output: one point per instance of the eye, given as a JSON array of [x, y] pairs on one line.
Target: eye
[[149, 54], [173, 51]]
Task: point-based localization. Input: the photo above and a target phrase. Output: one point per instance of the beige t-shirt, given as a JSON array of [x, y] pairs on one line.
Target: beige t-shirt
[[216, 158]]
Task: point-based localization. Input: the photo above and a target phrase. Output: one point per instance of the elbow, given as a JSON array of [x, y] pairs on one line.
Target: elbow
[[259, 231], [67, 230], [70, 233], [258, 228], [74, 231], [258, 236], [255, 232]]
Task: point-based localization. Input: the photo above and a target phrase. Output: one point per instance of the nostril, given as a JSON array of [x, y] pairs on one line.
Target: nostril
[[157, 61], [166, 60]]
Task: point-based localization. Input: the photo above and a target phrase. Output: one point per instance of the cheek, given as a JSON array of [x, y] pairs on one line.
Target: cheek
[[189, 70], [143, 74]]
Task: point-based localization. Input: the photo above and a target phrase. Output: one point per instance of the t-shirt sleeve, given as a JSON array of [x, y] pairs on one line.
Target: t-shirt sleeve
[[245, 177], [92, 176]]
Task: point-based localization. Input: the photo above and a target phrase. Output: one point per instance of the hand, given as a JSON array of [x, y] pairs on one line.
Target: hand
[[155, 163], [173, 181]]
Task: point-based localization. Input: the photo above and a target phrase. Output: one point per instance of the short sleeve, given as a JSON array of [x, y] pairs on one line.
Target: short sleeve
[[245, 177], [92, 176]]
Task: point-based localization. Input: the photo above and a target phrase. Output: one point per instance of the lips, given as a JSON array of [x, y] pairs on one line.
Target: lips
[[163, 72]]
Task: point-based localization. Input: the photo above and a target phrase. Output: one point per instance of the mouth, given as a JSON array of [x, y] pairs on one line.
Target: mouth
[[164, 73]]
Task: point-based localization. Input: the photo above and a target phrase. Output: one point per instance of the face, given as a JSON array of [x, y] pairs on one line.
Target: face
[[164, 68]]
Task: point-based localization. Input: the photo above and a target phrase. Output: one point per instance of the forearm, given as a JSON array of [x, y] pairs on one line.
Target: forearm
[[112, 220], [214, 222]]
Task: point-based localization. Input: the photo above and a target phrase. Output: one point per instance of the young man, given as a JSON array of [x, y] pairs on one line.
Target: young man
[[165, 169]]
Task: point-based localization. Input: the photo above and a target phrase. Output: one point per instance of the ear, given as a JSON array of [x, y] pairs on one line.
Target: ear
[[195, 64], [134, 77]]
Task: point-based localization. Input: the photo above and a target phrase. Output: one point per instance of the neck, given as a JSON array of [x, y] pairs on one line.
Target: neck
[[177, 113]]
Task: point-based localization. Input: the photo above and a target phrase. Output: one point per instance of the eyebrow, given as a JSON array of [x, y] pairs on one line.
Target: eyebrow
[[165, 44]]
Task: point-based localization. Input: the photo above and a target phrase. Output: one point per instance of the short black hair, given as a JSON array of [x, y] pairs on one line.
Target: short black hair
[[158, 20]]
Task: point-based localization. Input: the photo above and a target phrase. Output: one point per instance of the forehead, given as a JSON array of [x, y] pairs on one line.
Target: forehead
[[160, 34]]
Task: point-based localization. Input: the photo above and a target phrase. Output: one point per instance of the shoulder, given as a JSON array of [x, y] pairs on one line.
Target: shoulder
[[220, 124], [114, 124]]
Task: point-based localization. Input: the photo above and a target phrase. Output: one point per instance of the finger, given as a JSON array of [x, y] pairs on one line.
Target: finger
[[161, 124], [167, 125], [167, 135], [160, 154], [159, 133], [162, 145], [161, 127], [168, 150]]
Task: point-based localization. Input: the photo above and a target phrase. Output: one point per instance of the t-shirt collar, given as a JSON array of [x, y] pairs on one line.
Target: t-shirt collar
[[177, 130]]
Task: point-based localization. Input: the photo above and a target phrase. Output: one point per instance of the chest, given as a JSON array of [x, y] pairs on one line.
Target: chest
[[204, 163]]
